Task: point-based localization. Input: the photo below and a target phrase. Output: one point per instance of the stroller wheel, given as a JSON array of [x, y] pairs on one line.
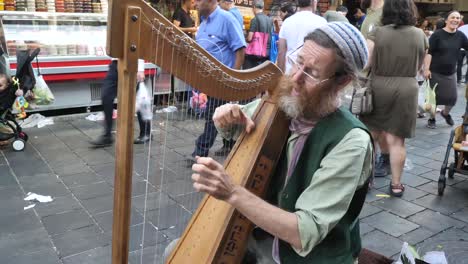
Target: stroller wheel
[[451, 171], [18, 144], [441, 187]]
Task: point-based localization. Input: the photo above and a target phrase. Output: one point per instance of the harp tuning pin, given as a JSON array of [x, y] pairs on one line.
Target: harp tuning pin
[[134, 18], [133, 47]]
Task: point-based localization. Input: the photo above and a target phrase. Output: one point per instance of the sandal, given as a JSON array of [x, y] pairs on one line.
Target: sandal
[[397, 186]]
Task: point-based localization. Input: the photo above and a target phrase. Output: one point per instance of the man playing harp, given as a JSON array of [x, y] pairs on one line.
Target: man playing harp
[[322, 178]]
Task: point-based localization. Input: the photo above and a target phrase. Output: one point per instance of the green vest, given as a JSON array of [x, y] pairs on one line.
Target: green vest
[[343, 244]]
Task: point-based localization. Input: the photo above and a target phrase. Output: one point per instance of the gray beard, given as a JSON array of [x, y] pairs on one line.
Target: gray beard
[[291, 106]]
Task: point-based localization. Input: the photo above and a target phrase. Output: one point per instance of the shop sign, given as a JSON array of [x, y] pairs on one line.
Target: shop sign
[[247, 3]]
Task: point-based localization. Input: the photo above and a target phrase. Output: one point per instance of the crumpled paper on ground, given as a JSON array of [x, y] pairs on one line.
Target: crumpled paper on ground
[[409, 255], [36, 120], [169, 109], [95, 117], [37, 197]]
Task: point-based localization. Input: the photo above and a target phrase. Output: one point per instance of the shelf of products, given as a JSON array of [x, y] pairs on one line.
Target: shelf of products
[[50, 6], [73, 56]]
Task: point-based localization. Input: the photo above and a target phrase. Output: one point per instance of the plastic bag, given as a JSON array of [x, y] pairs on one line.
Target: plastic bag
[[274, 47], [43, 94], [430, 104], [143, 102]]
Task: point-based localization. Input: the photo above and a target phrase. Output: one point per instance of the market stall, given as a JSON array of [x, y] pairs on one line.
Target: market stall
[[72, 38]]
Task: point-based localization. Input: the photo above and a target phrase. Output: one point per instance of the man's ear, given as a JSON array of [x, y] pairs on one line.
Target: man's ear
[[343, 80]]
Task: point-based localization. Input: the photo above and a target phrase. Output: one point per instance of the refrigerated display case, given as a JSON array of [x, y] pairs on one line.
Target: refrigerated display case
[[72, 60]]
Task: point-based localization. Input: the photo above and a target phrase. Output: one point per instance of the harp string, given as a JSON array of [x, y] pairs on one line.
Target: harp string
[[197, 68]]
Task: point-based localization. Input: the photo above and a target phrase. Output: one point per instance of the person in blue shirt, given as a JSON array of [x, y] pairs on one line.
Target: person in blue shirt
[[221, 35], [228, 5]]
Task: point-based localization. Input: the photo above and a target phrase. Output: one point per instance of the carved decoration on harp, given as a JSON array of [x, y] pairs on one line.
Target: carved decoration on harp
[[148, 35]]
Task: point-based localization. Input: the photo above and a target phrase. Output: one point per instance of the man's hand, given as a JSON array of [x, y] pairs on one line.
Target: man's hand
[[210, 177], [231, 114], [141, 76]]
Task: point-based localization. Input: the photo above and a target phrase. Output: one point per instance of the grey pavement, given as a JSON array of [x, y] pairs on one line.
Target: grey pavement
[[76, 226]]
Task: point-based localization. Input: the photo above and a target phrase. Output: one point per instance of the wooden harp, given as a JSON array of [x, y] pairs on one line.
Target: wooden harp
[[216, 233]]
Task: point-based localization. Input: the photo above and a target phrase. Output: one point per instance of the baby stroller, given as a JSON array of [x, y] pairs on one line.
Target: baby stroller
[[25, 76], [457, 136]]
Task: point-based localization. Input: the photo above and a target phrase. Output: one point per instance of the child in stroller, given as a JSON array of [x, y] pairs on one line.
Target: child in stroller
[[9, 128]]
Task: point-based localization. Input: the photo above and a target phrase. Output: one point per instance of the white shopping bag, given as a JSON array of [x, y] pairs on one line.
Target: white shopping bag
[[143, 102]]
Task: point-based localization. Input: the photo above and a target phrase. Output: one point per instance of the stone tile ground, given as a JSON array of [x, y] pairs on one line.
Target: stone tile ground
[[77, 226]]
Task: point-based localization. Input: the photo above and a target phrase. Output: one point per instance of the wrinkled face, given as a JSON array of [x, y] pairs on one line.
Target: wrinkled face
[[3, 84], [453, 21], [309, 90]]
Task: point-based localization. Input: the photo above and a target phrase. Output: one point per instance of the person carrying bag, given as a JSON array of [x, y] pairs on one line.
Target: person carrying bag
[[258, 49]]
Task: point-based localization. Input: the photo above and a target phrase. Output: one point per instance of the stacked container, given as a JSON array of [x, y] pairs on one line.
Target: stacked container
[[10, 5], [69, 6], [41, 6], [50, 6], [21, 5], [31, 5], [59, 6]]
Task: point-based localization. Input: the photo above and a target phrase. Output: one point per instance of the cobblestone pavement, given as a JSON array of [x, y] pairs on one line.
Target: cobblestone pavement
[[76, 226]]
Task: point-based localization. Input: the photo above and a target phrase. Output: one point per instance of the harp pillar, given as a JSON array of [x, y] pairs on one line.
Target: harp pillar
[[127, 69]]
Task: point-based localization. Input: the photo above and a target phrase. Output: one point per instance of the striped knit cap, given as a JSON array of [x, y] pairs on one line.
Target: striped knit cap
[[349, 40]]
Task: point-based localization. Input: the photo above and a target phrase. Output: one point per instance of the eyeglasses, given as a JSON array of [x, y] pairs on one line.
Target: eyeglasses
[[299, 66]]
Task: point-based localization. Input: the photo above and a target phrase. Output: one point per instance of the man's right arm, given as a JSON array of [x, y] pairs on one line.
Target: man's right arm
[[281, 59]]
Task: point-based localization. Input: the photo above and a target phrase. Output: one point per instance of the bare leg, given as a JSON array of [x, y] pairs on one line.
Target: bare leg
[[397, 156], [447, 109]]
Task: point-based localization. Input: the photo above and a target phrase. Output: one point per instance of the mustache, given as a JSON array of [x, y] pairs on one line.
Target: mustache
[[318, 102]]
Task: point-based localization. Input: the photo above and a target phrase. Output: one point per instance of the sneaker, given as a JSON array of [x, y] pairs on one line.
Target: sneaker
[[431, 123], [448, 119], [142, 140], [223, 151], [382, 166], [102, 141]]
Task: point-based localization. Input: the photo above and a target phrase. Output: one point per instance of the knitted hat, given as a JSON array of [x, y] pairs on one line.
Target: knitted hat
[[349, 40]]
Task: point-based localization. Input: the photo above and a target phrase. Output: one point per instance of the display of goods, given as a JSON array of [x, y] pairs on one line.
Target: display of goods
[[31, 5], [10, 5], [50, 5], [41, 6], [104, 6], [69, 6], [82, 49], [71, 49], [87, 7], [78, 6], [21, 5], [62, 50], [96, 7], [59, 6]]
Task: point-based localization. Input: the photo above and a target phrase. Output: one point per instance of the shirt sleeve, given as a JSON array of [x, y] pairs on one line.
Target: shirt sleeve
[[433, 43], [235, 131], [141, 65], [176, 16], [325, 201], [253, 25]]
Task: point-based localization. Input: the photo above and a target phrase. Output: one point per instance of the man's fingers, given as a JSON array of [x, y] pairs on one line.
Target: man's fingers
[[203, 188], [208, 163], [250, 125]]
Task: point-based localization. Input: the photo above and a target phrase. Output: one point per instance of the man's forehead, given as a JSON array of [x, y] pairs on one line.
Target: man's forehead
[[312, 50]]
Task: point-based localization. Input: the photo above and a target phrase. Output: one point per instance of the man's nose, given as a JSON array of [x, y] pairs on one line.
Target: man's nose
[[298, 76]]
